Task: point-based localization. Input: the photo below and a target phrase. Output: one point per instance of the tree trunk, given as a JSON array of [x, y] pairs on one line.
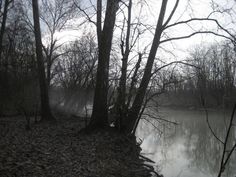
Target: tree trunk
[[4, 90], [121, 109], [45, 108], [137, 104], [3, 26], [100, 110], [134, 79]]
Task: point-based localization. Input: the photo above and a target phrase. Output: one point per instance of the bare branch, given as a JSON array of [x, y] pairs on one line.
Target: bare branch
[[223, 161], [85, 13], [172, 13], [193, 34], [153, 125], [174, 62], [204, 19], [209, 126], [159, 118]]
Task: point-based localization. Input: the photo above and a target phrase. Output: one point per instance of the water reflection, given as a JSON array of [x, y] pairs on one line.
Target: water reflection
[[188, 149]]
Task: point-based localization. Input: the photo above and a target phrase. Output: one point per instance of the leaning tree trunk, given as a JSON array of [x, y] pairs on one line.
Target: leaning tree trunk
[[45, 108], [100, 111], [137, 104]]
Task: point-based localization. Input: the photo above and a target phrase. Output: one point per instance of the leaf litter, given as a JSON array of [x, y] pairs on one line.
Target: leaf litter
[[58, 150]]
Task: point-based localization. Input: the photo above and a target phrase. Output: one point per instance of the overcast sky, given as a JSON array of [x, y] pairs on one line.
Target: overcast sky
[[187, 9]]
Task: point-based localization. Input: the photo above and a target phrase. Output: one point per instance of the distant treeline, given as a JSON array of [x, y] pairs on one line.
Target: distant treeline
[[209, 78]]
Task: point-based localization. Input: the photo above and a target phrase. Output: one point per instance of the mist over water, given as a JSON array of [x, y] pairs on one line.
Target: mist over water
[[76, 102], [189, 148]]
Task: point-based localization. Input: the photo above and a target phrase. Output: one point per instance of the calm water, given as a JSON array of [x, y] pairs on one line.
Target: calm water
[[187, 149]]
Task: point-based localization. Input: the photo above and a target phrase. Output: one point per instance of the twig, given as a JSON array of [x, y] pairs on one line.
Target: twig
[[223, 161], [159, 118], [153, 125], [146, 159], [209, 126]]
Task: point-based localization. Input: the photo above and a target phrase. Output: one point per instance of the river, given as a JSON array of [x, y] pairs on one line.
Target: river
[[187, 149]]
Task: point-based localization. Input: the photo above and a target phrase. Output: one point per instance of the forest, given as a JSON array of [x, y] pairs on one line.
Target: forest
[[82, 81]]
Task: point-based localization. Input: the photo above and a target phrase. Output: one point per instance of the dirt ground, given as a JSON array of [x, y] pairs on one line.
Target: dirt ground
[[59, 150]]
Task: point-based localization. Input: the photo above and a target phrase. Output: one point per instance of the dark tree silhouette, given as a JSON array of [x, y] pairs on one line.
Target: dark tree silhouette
[[45, 108], [121, 108], [100, 110], [3, 23], [137, 104]]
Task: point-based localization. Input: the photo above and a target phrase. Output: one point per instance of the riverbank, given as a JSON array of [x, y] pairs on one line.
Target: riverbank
[[58, 150]]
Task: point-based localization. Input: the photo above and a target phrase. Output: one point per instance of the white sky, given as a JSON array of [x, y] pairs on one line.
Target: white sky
[[149, 15]]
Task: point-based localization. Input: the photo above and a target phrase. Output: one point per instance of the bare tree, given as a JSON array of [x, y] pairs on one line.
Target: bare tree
[[55, 15], [216, 75], [134, 112], [18, 61], [4, 90], [100, 110], [160, 36], [125, 51], [160, 31], [45, 107], [3, 22], [74, 75]]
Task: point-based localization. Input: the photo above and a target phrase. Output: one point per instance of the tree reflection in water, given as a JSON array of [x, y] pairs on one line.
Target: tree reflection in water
[[188, 149]]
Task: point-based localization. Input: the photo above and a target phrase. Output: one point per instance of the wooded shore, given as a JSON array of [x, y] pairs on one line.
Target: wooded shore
[[60, 150]]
